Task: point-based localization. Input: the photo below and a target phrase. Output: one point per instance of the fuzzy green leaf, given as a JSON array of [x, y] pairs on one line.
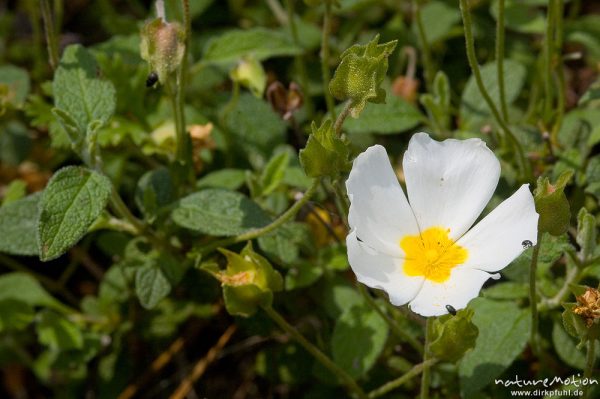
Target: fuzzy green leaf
[[503, 334], [15, 315], [73, 199], [261, 43], [58, 333], [358, 339], [453, 335], [18, 226], [151, 285], [219, 213], [79, 92]]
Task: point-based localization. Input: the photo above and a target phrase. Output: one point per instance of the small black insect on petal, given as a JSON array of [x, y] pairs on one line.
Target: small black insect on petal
[[451, 310], [152, 79], [527, 244]]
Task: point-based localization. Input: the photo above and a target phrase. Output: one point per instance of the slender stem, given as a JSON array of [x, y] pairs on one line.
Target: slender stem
[[470, 47], [51, 42], [391, 385], [325, 59], [533, 293], [589, 365], [426, 52], [183, 142], [548, 61], [348, 381], [500, 59], [339, 122], [425, 377], [278, 11], [299, 60], [284, 217], [573, 276], [341, 201], [393, 325], [559, 70]]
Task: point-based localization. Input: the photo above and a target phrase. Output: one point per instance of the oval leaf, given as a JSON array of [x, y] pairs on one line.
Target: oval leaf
[[151, 286], [73, 199], [219, 213], [18, 224]]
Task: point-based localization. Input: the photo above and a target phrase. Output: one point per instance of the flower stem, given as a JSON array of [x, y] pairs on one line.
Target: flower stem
[[183, 152], [426, 52], [348, 381], [339, 122], [533, 294], [470, 47], [391, 385], [589, 365], [325, 59], [500, 59], [559, 72], [393, 325], [284, 217], [425, 377], [299, 60], [51, 41], [548, 61]]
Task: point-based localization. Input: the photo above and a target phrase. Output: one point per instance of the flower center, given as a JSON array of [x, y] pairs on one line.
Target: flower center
[[432, 254]]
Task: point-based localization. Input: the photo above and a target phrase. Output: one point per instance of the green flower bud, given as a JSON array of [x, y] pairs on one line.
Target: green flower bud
[[162, 46], [250, 74], [360, 73], [552, 205], [248, 281]]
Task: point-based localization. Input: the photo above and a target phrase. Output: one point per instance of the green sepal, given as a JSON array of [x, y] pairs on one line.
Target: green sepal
[[162, 45], [574, 324], [248, 281], [552, 205], [325, 153], [453, 336], [360, 74], [249, 73]]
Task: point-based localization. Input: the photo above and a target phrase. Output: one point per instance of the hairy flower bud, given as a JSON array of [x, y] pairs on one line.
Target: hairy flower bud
[[162, 46]]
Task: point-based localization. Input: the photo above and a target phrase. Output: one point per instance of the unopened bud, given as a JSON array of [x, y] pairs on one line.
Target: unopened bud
[[162, 46]]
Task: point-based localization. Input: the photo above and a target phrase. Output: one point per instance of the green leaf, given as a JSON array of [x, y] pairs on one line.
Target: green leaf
[[15, 315], [473, 105], [273, 173], [58, 333], [438, 20], [284, 243], [18, 226], [24, 288], [522, 16], [325, 153], [230, 179], [552, 205], [154, 190], [73, 199], [361, 71], [503, 334], [507, 290], [302, 275], [255, 127], [219, 213], [15, 190], [14, 85], [261, 43], [453, 335], [151, 286], [339, 296], [358, 339], [395, 116], [566, 347], [79, 92], [586, 233]]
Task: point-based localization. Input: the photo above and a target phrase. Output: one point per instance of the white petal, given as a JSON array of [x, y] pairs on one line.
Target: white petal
[[462, 286], [498, 238], [379, 211], [450, 182], [381, 271]]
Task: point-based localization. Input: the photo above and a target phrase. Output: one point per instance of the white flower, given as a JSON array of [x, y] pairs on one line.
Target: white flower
[[421, 251]]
